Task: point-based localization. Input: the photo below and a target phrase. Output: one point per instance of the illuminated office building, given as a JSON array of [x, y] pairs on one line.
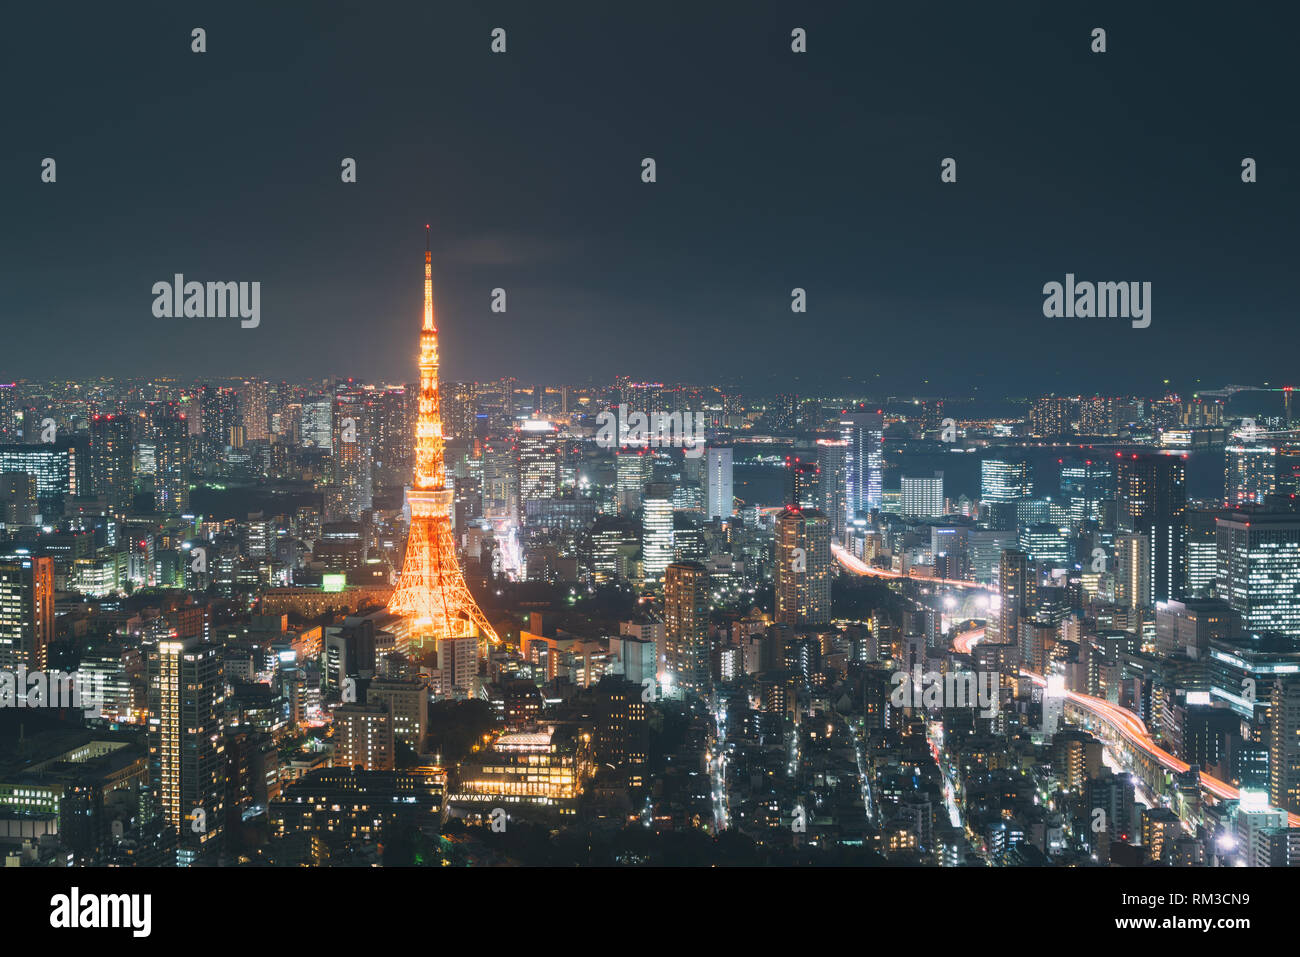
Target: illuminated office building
[[1004, 480], [634, 468], [1049, 416], [26, 610], [61, 469], [316, 429], [802, 479], [169, 432], [1259, 569], [1284, 744], [1084, 485], [657, 529], [539, 460], [1202, 551], [501, 478], [864, 432], [253, 410]]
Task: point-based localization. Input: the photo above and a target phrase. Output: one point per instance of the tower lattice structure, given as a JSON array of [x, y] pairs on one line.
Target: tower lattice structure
[[431, 590]]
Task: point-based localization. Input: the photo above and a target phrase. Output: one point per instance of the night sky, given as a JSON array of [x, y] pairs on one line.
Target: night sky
[[775, 170]]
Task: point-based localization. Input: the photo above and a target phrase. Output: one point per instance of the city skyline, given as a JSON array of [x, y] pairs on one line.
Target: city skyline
[[834, 438]]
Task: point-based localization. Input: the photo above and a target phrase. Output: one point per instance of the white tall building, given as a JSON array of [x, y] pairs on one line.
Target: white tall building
[[718, 483], [657, 529], [317, 426], [864, 431]]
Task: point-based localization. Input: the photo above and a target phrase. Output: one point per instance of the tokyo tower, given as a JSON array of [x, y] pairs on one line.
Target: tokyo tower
[[431, 591]]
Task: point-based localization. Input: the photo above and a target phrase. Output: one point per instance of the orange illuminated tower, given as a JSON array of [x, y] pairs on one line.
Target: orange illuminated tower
[[432, 590]]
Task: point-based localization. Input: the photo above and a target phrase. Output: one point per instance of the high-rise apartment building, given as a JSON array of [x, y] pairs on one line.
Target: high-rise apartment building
[[922, 495], [1249, 474], [254, 412], [363, 737], [832, 467], [186, 750], [1151, 496], [169, 432], [111, 457], [804, 567], [686, 624], [718, 489], [1049, 416], [1016, 590]]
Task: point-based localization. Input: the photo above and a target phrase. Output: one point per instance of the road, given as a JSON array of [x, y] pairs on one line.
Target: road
[[859, 567], [1124, 722], [1134, 731]]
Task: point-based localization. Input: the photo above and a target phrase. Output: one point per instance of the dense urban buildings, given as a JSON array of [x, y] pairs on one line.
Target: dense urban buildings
[[740, 504]]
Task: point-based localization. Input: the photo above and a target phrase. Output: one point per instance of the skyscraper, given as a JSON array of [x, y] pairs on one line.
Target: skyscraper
[[253, 411], [316, 429], [1085, 483], [111, 456], [1152, 499], [832, 468], [686, 624], [1259, 568], [352, 491], [864, 433], [1284, 744], [1133, 570], [1202, 551], [539, 461], [803, 482], [60, 469], [719, 494], [633, 468], [1015, 595], [501, 477], [804, 567], [657, 529], [1249, 474], [169, 432], [1049, 416], [1004, 480], [218, 408], [26, 610], [186, 752]]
